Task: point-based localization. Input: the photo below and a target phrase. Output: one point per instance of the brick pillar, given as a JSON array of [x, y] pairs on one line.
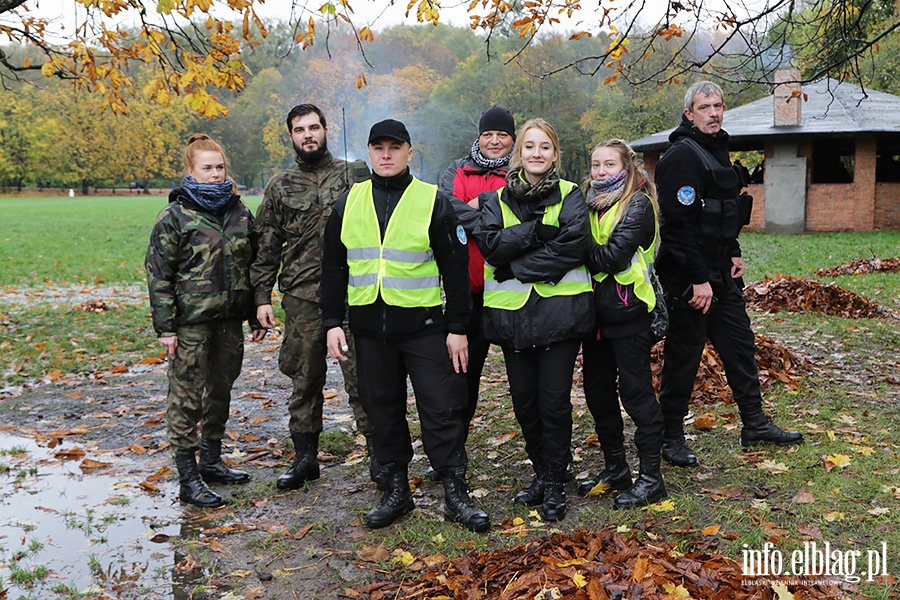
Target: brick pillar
[[864, 182], [787, 98]]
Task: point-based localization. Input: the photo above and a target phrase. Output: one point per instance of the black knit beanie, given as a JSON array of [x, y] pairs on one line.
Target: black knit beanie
[[497, 118]]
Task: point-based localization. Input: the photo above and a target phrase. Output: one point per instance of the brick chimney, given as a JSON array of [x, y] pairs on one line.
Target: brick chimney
[[787, 106]]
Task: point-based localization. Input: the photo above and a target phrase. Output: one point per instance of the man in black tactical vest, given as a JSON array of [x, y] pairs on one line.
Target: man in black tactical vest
[[700, 267]]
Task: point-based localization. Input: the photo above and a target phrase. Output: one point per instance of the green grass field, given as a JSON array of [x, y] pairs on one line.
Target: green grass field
[[71, 241], [49, 246]]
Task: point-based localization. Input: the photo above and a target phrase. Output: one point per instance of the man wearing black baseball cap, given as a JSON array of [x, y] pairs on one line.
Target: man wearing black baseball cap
[[388, 245], [391, 129]]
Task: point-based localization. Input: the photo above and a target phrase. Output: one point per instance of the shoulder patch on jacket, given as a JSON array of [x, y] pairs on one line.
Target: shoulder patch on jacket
[[359, 171], [686, 195]]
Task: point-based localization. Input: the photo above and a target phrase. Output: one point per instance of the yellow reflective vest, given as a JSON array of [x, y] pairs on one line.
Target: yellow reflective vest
[[512, 294], [401, 267], [638, 271]]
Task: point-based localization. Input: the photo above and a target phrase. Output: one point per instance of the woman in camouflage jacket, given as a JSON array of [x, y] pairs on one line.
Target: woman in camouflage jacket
[[198, 272]]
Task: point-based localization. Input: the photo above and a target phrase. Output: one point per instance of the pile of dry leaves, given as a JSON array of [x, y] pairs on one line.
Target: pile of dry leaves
[[795, 294], [776, 363], [96, 305], [861, 266], [591, 565]]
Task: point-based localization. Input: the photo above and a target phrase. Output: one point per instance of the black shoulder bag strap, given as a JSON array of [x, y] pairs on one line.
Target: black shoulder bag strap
[[705, 157]]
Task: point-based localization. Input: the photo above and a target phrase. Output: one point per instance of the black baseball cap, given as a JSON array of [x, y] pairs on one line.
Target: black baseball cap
[[389, 128]]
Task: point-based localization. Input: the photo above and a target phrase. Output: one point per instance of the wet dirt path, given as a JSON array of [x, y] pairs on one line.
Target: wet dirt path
[[89, 500]]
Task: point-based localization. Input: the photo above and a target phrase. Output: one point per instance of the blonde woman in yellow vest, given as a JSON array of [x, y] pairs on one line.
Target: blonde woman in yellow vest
[[534, 235], [625, 232]]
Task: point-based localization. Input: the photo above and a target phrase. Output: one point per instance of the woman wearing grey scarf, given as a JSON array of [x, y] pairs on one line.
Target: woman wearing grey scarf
[[625, 231]]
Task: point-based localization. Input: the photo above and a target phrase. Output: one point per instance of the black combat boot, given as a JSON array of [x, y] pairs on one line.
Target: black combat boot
[[534, 493], [675, 449], [458, 506], [676, 452], [759, 429], [432, 475], [305, 466], [616, 473], [377, 474], [553, 506], [396, 501], [647, 488], [193, 489], [213, 469]]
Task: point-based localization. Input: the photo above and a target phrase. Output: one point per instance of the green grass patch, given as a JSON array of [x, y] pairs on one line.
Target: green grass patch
[[802, 255], [337, 443], [26, 577], [86, 240], [42, 340], [847, 411]]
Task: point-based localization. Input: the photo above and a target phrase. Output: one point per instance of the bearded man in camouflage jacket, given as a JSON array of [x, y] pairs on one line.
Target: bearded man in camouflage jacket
[[289, 224]]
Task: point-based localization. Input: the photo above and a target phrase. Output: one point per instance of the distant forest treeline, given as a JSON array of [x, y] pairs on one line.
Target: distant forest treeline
[[435, 79]]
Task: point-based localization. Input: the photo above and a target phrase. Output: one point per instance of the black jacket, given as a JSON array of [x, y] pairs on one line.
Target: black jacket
[[542, 320], [381, 320], [685, 255], [619, 312]]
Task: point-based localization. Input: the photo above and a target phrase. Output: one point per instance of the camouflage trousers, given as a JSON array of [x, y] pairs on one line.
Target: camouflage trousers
[[206, 364], [302, 358]]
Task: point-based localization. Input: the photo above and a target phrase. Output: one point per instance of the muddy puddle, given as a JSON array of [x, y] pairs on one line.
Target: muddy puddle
[[71, 528]]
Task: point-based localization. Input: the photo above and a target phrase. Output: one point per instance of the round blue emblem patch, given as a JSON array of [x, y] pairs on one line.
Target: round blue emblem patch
[[461, 234], [687, 195]]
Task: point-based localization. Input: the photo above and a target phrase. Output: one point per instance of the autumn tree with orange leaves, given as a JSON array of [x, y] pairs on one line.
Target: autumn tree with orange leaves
[[199, 46]]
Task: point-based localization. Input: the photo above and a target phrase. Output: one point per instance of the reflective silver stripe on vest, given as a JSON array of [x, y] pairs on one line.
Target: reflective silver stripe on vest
[[576, 275], [368, 253], [510, 285], [411, 283], [409, 256], [634, 261], [644, 272], [362, 280]]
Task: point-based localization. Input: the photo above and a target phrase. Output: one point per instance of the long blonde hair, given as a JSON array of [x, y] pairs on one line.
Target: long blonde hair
[[515, 159], [633, 173]]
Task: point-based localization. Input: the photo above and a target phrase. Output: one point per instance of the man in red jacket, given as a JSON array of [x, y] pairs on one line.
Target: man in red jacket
[[483, 170]]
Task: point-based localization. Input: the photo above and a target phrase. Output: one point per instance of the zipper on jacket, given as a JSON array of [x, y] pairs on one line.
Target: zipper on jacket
[[623, 297], [387, 219]]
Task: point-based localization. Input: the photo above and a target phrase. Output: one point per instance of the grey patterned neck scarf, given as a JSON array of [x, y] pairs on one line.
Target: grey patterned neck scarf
[[487, 163], [212, 197]]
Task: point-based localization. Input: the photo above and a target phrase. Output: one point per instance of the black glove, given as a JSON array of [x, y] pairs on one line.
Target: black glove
[[503, 273], [545, 232]]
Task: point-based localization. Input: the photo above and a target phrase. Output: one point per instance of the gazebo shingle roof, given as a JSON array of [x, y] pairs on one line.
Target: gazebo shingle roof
[[832, 108]]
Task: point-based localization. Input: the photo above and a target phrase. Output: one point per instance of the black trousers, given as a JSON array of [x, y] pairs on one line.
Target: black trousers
[[728, 328], [540, 382], [440, 398], [478, 351], [626, 359]]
